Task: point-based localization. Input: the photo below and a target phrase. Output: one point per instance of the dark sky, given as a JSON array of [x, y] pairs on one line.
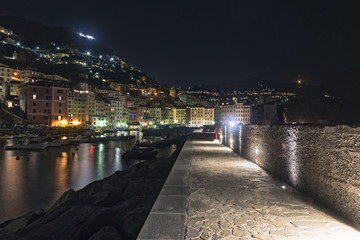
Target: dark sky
[[187, 42]]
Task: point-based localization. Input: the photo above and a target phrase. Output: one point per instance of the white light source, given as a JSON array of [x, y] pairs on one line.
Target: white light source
[[283, 187], [232, 123], [88, 53], [257, 151]]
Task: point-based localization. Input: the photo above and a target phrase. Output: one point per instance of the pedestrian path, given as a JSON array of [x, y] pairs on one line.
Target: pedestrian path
[[232, 198]]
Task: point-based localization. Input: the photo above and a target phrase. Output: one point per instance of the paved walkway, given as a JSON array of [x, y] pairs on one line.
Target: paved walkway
[[231, 198]]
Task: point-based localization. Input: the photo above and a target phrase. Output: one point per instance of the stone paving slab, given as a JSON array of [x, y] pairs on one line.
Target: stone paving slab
[[173, 204], [167, 217], [232, 198], [163, 226]]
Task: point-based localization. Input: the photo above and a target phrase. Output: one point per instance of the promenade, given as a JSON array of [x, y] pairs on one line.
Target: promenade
[[231, 198]]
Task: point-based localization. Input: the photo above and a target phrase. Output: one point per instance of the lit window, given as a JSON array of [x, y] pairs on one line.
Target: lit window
[[34, 96], [59, 118]]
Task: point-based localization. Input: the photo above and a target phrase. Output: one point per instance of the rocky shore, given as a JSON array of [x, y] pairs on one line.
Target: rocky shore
[[113, 208]]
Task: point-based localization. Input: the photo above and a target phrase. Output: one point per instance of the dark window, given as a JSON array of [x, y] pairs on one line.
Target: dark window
[[34, 110], [34, 103], [47, 104], [59, 110], [34, 90], [60, 91], [34, 117], [59, 104]]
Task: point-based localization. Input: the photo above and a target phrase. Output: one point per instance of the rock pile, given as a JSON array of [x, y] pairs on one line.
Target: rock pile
[[113, 208]]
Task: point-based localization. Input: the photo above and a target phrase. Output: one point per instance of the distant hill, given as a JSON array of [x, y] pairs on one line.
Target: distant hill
[[36, 34], [259, 84]]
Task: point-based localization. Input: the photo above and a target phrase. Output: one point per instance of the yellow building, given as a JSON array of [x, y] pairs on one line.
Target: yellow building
[[209, 116], [200, 116], [5, 72], [81, 106], [173, 92], [180, 116], [103, 109], [169, 116], [15, 88]]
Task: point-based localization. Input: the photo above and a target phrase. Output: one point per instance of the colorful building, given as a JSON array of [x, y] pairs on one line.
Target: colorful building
[[45, 104], [5, 73], [180, 116], [200, 116], [81, 106], [237, 113]]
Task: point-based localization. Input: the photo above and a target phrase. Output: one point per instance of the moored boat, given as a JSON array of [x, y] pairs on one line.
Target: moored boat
[[31, 146]]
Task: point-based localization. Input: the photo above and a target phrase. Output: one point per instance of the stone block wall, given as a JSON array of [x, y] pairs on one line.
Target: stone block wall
[[323, 162]]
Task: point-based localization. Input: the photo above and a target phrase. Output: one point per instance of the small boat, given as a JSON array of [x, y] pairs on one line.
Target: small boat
[[140, 154], [31, 146], [119, 138]]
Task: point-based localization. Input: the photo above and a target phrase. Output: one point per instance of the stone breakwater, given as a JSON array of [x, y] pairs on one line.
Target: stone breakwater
[[113, 208], [323, 162]]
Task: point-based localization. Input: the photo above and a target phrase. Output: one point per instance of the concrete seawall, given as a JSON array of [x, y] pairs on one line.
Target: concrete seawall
[[323, 162]]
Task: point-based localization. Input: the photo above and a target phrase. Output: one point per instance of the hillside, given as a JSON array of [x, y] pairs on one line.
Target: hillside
[[63, 51], [34, 34], [303, 89]]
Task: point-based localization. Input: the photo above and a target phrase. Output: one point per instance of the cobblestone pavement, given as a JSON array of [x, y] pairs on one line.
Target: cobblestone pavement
[[232, 198]]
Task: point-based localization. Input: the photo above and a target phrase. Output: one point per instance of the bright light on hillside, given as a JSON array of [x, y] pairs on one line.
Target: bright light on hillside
[[86, 36]]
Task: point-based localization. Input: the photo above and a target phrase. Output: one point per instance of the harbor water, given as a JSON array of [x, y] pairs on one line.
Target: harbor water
[[39, 178]]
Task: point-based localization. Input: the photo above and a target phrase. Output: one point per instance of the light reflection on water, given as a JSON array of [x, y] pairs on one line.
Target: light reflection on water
[[40, 181]]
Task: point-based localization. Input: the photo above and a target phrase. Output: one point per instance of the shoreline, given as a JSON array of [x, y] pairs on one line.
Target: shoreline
[[116, 206]]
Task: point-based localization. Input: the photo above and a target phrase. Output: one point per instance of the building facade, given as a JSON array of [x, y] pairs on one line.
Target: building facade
[[3, 90], [44, 104], [237, 113], [200, 116], [81, 106]]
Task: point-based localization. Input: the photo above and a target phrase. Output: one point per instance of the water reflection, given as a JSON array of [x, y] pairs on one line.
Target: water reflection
[[39, 181]]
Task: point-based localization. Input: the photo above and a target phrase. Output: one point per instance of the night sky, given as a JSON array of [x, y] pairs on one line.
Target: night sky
[[187, 42]]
